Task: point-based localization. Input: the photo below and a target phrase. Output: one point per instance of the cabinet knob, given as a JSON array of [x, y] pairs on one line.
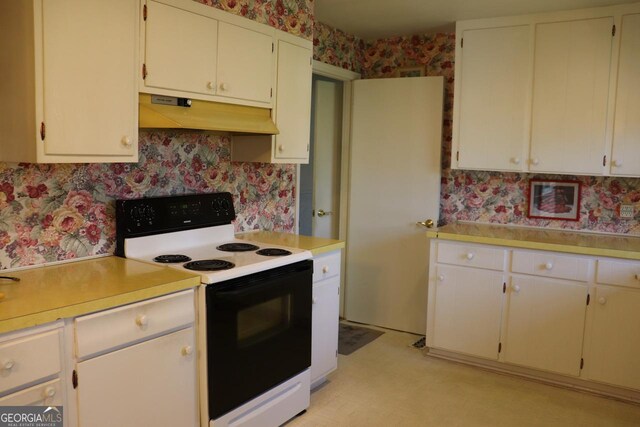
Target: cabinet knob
[[325, 269], [535, 161], [142, 321], [470, 255], [515, 288], [280, 148], [548, 265], [224, 86], [126, 141], [210, 85], [314, 300], [48, 392], [441, 277], [602, 300], [187, 350], [7, 365], [516, 160], [637, 276], [617, 163]]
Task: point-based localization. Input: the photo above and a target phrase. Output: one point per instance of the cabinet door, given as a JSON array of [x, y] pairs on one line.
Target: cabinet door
[[468, 309], [324, 334], [545, 324], [180, 50], [625, 159], [245, 63], [293, 104], [570, 95], [493, 94], [148, 384], [89, 77], [615, 342]]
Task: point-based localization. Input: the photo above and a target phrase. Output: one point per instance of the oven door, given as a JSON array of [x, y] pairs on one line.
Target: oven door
[[258, 333]]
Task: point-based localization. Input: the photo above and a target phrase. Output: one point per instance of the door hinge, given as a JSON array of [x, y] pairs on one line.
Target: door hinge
[[336, 353], [307, 148], [499, 347], [43, 131], [74, 379], [273, 47], [144, 12], [457, 156], [581, 363], [604, 161], [613, 31], [504, 287], [271, 93], [338, 290], [588, 298], [144, 71], [462, 42]]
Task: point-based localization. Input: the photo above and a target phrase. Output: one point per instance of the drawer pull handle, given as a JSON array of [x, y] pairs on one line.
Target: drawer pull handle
[[49, 392], [7, 365], [548, 265], [325, 269], [470, 255], [187, 350], [210, 85], [142, 321], [441, 277], [602, 300], [224, 86], [516, 288]]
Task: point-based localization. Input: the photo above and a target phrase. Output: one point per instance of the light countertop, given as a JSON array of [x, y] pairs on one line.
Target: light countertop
[[45, 294], [317, 245], [606, 245]]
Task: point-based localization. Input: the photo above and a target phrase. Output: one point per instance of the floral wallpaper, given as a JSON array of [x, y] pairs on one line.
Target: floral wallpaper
[[292, 16], [494, 197], [335, 47], [57, 212]]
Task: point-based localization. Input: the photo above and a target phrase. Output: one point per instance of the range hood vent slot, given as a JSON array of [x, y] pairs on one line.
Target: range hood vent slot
[[181, 113]]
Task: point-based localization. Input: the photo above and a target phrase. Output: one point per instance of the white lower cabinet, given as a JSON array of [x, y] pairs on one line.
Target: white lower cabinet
[[148, 376], [468, 306], [562, 317], [325, 316], [545, 324]]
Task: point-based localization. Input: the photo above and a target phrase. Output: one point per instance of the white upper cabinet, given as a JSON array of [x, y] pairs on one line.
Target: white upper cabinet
[[245, 61], [570, 94], [490, 107], [549, 93], [196, 51], [625, 157], [168, 63], [69, 81]]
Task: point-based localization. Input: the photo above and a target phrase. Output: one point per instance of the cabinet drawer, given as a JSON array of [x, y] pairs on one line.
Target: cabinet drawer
[[28, 359], [114, 328], [550, 264], [45, 394], [326, 265], [471, 255], [621, 273]]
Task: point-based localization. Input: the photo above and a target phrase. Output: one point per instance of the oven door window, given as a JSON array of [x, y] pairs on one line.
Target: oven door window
[[263, 321]]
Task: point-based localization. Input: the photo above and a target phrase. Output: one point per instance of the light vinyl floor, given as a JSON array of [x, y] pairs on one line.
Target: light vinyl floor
[[390, 383]]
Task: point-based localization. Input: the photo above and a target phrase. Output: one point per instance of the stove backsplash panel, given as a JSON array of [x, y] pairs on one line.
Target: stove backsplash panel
[[63, 211]]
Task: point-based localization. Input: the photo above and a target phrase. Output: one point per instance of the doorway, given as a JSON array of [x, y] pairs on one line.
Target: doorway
[[320, 179]]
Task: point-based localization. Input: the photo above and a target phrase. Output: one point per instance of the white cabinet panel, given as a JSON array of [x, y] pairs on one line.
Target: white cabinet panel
[[545, 324], [494, 87], [619, 272], [471, 255], [148, 384], [570, 95], [615, 341], [551, 264], [180, 50], [625, 159], [325, 324], [468, 309], [245, 63], [49, 393]]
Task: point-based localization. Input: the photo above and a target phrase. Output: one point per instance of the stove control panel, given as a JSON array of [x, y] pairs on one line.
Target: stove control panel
[[143, 217]]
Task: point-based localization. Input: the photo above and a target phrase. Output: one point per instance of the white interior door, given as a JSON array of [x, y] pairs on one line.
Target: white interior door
[[394, 182], [326, 158]]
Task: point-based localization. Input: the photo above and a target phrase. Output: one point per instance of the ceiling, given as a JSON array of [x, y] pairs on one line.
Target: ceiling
[[374, 19]]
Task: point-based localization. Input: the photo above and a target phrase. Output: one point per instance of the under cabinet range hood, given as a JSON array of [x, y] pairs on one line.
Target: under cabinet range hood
[[166, 112]]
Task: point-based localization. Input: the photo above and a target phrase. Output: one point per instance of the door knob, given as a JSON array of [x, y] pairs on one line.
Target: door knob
[[428, 223], [323, 213]]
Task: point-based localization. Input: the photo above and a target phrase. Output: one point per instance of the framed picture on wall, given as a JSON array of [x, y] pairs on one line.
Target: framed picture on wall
[[554, 199], [410, 72]]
